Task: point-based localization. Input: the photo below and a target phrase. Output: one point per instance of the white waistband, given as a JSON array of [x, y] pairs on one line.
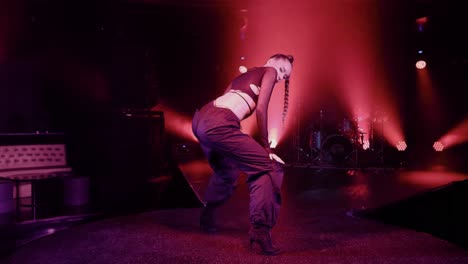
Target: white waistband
[[238, 102]]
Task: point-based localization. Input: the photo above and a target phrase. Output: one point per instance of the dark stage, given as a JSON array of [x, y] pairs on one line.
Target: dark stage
[[99, 164], [374, 215]]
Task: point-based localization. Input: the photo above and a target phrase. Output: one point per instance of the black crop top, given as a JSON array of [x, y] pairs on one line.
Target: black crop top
[[264, 78], [243, 81]]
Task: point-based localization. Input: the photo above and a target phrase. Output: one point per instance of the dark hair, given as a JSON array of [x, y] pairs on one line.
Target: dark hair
[[290, 58]]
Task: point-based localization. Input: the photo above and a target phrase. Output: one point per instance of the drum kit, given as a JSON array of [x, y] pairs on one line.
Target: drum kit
[[340, 144]]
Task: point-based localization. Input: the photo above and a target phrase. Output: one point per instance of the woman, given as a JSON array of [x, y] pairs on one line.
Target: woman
[[229, 151]]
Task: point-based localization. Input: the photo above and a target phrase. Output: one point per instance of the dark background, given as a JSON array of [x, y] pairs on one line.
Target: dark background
[[72, 66]]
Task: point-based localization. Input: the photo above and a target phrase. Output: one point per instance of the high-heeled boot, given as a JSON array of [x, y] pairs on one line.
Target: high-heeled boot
[[261, 235], [207, 217]]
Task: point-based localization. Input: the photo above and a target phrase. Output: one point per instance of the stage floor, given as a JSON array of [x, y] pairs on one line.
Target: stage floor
[[318, 224]]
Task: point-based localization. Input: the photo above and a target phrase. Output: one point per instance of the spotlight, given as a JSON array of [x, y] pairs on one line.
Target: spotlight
[[401, 145], [421, 22], [273, 143], [242, 69], [421, 64], [438, 146], [365, 144]]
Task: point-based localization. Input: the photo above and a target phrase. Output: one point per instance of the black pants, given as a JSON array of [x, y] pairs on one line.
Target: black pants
[[230, 151]]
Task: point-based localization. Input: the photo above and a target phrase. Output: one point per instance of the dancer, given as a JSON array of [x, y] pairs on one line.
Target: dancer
[[229, 150]]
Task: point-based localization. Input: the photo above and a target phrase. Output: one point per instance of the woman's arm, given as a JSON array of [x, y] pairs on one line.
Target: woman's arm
[[266, 89]]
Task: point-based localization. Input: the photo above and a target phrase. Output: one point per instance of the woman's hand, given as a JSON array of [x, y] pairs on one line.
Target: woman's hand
[[275, 157]]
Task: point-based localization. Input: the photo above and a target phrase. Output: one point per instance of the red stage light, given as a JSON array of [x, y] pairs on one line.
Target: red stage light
[[401, 145], [421, 64], [438, 146], [365, 144], [242, 69]]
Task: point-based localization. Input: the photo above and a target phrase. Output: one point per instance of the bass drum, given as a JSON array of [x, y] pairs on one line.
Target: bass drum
[[336, 150]]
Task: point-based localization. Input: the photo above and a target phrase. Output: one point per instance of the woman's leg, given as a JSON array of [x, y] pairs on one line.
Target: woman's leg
[[264, 175], [226, 173], [219, 134], [265, 178]]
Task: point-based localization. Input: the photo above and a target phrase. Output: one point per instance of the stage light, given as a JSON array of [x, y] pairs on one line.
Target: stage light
[[438, 146], [421, 22], [273, 143], [242, 69], [365, 144], [273, 137], [421, 64], [401, 145]]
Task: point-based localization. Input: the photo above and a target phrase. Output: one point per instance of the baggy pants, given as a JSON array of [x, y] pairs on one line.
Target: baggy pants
[[230, 151]]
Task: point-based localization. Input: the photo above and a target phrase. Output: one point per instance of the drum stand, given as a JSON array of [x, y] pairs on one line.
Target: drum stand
[[318, 137], [317, 154], [354, 155], [300, 155]]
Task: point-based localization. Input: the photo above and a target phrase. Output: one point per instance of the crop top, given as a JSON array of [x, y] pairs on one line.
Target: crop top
[[242, 97]]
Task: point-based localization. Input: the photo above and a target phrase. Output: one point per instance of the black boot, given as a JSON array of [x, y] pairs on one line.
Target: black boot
[[207, 218], [261, 235]]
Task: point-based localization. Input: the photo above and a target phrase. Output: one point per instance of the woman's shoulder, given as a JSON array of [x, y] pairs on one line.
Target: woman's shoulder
[[263, 69], [270, 71]]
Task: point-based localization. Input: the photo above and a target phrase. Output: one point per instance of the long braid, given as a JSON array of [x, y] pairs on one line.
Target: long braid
[[290, 58], [286, 99]]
